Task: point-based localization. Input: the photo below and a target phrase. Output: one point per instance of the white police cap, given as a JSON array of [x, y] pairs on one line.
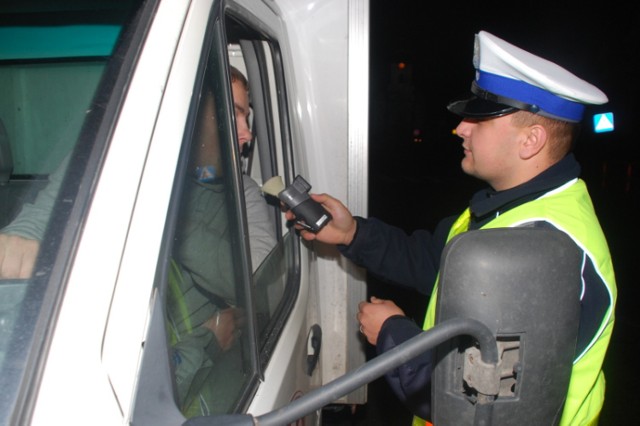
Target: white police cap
[[510, 79]]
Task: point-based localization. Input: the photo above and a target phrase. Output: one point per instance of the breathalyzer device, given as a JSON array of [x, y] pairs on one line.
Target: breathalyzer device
[[310, 214]]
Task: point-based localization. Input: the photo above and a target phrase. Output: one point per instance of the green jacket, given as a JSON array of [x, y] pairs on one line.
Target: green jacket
[[203, 266]]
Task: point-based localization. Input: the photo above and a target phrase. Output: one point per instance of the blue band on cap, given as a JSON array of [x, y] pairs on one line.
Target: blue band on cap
[[530, 94]]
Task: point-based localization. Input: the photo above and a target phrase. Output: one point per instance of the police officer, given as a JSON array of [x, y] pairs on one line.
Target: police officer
[[517, 130]]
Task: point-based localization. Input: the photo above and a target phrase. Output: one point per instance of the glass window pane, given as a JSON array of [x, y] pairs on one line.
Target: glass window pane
[[218, 309], [206, 302], [273, 286], [52, 61], [275, 283]]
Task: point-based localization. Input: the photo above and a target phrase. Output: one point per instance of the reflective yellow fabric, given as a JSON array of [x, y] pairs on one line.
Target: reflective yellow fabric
[[569, 209]]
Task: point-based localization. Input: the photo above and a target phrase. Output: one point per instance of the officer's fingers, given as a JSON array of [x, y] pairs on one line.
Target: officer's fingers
[[322, 198], [389, 303], [334, 205], [307, 235]]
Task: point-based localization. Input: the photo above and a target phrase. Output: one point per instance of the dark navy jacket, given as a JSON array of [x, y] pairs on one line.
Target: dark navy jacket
[[413, 261]]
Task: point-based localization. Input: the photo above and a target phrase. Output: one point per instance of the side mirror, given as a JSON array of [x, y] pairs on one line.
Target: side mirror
[[524, 284]]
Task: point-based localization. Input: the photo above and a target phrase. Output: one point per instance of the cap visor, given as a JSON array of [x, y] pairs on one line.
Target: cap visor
[[475, 107]]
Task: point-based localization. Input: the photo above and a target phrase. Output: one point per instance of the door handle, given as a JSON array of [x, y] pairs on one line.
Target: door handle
[[314, 342]]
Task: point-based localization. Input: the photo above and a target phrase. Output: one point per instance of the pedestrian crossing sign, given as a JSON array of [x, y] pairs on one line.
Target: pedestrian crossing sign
[[603, 122]]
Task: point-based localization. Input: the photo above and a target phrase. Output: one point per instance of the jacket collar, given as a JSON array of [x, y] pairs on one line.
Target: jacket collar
[[488, 203]]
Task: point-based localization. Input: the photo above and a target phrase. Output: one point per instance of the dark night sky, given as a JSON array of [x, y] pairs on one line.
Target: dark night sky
[[599, 44]]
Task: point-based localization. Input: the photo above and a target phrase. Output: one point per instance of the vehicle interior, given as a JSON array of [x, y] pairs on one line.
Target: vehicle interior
[[62, 76]]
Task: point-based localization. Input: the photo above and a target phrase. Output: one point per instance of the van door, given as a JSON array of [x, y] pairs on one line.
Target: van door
[[226, 308], [107, 123]]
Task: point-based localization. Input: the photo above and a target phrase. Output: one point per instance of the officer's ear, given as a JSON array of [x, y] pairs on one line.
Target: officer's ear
[[535, 139]]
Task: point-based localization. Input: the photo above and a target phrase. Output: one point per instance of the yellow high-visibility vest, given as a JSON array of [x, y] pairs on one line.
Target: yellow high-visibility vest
[[569, 209]]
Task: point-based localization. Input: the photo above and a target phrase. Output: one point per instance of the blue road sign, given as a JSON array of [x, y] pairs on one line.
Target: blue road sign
[[603, 122]]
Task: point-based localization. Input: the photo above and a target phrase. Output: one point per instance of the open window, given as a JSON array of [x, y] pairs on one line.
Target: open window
[[229, 269]]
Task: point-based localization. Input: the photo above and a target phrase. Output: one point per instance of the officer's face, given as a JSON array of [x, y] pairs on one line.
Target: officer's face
[[491, 150]]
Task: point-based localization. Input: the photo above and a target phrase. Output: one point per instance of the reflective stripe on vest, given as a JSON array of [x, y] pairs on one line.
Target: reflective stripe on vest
[[176, 295]]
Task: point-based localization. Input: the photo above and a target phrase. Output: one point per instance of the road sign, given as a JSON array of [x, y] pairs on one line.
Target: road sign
[[603, 122]]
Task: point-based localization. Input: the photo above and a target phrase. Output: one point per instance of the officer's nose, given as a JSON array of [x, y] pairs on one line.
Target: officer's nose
[[462, 129]]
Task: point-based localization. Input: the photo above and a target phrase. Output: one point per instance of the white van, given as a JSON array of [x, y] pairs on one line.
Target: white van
[[133, 288], [99, 118]]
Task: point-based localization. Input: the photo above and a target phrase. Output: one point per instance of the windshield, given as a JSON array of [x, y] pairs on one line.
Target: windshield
[[53, 57]]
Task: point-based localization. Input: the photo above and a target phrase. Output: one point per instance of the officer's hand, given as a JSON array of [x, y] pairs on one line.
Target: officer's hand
[[372, 315], [17, 256], [339, 230]]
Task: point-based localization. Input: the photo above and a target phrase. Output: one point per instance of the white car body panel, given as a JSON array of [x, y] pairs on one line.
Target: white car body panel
[[104, 316]]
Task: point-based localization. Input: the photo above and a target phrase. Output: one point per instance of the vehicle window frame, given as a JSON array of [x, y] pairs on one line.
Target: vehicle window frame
[[156, 370], [280, 150], [261, 347]]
